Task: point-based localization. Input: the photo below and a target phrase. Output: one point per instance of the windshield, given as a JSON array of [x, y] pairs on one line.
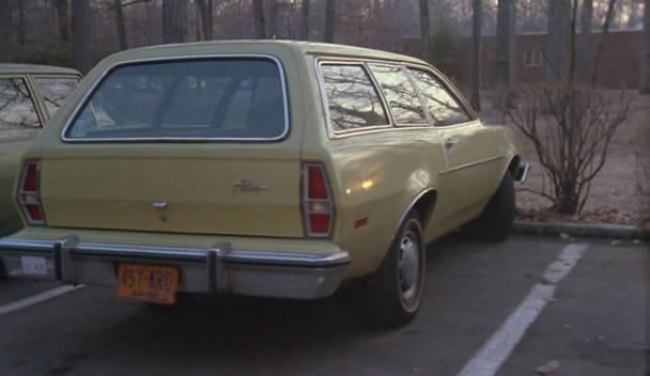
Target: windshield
[[200, 99]]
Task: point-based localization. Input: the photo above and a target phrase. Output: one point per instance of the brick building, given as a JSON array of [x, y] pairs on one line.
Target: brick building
[[620, 63]]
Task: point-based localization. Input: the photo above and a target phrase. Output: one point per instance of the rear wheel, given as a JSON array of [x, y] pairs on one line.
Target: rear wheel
[[496, 221], [397, 286]]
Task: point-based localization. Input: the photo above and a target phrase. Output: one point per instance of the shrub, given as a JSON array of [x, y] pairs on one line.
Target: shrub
[[571, 128]]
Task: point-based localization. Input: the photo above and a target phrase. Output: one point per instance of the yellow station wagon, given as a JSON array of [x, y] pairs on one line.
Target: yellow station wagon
[[261, 168]]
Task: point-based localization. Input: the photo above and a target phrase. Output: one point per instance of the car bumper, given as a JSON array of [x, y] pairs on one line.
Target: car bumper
[[218, 269], [522, 172]]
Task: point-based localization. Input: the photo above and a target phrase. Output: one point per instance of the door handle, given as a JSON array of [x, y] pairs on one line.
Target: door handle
[[450, 142]]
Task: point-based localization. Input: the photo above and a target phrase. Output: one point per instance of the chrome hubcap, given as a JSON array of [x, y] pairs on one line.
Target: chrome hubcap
[[409, 267]]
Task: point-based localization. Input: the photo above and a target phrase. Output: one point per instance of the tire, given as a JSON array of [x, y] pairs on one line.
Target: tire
[[496, 221], [396, 288]]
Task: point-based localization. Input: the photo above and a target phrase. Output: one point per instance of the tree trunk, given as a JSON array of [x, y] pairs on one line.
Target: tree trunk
[[5, 29], [205, 11], [645, 84], [305, 19], [557, 51], [601, 42], [63, 16], [477, 11], [174, 23], [586, 40], [330, 20], [272, 11], [504, 48], [425, 29], [20, 28], [259, 21], [81, 33], [119, 24]]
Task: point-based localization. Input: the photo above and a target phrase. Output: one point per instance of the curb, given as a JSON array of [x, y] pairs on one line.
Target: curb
[[581, 230]]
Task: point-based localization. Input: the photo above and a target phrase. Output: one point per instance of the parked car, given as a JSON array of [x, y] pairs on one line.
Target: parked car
[[263, 168], [29, 96]]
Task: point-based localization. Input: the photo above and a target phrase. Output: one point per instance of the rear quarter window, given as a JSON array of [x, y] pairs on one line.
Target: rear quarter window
[[222, 99], [17, 109]]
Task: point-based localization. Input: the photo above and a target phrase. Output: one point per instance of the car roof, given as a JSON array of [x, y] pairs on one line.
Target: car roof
[[34, 68], [263, 46]]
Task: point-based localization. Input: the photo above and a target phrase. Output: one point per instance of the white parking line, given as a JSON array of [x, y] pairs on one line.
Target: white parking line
[[39, 298], [498, 348]]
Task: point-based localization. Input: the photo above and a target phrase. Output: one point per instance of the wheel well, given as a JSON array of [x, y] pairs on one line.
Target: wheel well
[[424, 206], [514, 164]]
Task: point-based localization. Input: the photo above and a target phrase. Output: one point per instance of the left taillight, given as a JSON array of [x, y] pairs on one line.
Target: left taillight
[[317, 201], [29, 193]]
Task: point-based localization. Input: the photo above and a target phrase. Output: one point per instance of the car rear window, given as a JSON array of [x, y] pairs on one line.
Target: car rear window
[[223, 99]]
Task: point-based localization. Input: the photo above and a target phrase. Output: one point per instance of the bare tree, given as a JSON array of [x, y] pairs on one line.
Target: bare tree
[[174, 20], [477, 10], [557, 51], [63, 16], [206, 13], [259, 19], [81, 33], [5, 29], [586, 39], [645, 85], [425, 28], [505, 35], [601, 42], [119, 24], [305, 19], [330, 20]]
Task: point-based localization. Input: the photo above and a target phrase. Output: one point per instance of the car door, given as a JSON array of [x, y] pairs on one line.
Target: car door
[[471, 157]]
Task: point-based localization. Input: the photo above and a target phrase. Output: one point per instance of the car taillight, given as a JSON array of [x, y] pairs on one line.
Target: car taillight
[[317, 201], [29, 193]]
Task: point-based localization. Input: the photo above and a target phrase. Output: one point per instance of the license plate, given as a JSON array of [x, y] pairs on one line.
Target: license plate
[[152, 284], [33, 265]]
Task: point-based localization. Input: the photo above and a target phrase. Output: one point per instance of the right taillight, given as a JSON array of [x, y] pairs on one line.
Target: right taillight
[[317, 201], [29, 193]]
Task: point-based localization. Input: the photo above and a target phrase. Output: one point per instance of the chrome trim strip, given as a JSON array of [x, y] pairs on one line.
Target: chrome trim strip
[[44, 246], [472, 164], [287, 259], [178, 254], [104, 75]]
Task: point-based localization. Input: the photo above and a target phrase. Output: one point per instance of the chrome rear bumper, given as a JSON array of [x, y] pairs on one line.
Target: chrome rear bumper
[[216, 270]]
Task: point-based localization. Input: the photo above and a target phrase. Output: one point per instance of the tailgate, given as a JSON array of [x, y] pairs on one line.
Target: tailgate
[[249, 196]]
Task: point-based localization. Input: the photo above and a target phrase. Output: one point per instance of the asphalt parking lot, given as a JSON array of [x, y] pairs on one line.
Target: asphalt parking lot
[[506, 308]]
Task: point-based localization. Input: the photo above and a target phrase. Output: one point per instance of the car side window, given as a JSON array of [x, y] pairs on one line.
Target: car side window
[[352, 99], [443, 106], [17, 108], [402, 97], [55, 90]]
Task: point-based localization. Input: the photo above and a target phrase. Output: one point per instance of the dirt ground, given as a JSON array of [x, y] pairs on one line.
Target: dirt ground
[[619, 194]]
